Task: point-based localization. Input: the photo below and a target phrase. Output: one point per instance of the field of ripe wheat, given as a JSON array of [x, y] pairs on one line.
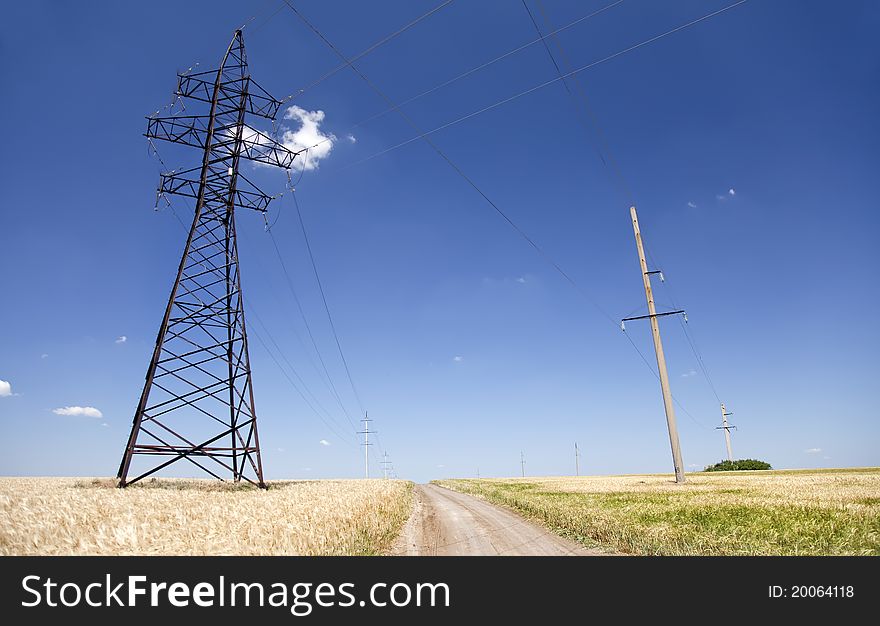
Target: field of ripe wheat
[[68, 516], [810, 512]]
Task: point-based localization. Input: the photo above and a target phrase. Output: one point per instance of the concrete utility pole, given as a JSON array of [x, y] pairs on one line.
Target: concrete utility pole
[[658, 348], [726, 428], [522, 464], [577, 456], [366, 433]]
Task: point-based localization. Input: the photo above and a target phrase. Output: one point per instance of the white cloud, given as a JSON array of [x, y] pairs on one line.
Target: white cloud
[[308, 135], [441, 466], [692, 205], [731, 191], [44, 356], [458, 358], [689, 373], [324, 442], [88, 411], [5, 389], [121, 339], [351, 138], [813, 450], [307, 469], [104, 424], [280, 449], [521, 280], [720, 197]]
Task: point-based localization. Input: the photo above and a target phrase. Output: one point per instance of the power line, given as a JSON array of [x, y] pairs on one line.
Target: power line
[[473, 70], [473, 184], [617, 174], [365, 52], [591, 121], [295, 372], [294, 385], [324, 300], [308, 328], [504, 101]]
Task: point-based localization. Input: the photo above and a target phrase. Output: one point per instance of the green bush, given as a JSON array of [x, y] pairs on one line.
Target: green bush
[[741, 464]]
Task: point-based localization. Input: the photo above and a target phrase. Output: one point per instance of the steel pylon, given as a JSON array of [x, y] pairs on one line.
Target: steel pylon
[[197, 402]]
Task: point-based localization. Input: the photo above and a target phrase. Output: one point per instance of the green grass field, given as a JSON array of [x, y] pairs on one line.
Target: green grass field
[[793, 512]]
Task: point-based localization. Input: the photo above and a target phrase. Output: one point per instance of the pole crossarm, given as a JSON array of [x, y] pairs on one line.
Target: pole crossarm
[[200, 86], [232, 140], [181, 184], [646, 317]]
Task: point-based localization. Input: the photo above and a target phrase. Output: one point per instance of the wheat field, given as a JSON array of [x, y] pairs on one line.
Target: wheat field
[[69, 516], [798, 512]]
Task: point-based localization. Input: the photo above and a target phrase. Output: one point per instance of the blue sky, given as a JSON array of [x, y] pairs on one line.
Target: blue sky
[[465, 345]]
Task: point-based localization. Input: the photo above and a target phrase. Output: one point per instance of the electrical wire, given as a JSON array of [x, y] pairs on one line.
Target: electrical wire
[[473, 70], [535, 88], [309, 329], [365, 52], [473, 184], [326, 306]]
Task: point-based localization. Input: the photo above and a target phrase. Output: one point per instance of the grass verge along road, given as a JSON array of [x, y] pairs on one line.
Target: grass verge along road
[[797, 512]]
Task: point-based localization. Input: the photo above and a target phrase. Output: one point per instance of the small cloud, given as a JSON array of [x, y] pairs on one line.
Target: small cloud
[[521, 280], [87, 411], [104, 424], [5, 389], [458, 358], [692, 205], [306, 469], [308, 138], [731, 191], [720, 197], [324, 442], [351, 138], [441, 466], [813, 450], [280, 449], [690, 373], [44, 356], [121, 339]]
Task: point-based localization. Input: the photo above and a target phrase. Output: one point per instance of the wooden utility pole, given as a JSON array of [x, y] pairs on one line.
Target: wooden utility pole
[[658, 348], [577, 456], [522, 463], [726, 428]]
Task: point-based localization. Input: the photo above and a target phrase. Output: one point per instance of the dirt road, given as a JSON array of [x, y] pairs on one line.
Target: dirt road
[[447, 523]]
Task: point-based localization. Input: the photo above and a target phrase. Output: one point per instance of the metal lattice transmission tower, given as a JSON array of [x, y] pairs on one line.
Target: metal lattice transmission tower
[[197, 403]]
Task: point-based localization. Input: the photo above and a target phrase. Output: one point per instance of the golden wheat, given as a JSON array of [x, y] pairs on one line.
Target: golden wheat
[[66, 516]]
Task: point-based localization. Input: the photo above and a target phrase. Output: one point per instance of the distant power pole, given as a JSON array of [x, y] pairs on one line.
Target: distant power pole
[[726, 428], [522, 464], [658, 349], [366, 444], [478, 473], [577, 456], [386, 465]]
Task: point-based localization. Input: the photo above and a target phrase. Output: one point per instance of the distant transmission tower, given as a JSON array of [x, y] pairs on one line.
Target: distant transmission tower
[[366, 444], [198, 399]]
